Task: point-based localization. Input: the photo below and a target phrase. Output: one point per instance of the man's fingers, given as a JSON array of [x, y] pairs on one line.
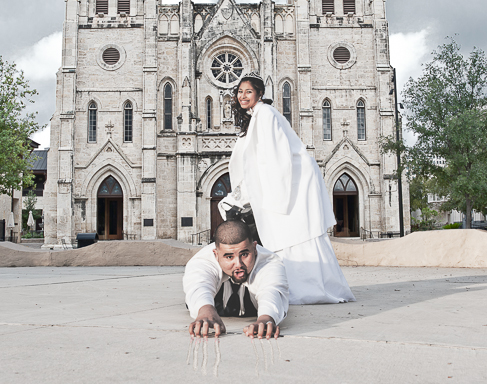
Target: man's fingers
[[197, 328], [270, 328], [276, 334], [191, 329], [250, 331], [204, 330], [217, 330], [260, 331]]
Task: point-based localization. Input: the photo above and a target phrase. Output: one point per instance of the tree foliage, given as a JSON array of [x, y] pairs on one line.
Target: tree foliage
[[447, 111], [16, 126]]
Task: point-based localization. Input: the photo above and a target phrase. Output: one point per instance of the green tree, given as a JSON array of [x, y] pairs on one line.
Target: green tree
[[16, 127], [446, 109]]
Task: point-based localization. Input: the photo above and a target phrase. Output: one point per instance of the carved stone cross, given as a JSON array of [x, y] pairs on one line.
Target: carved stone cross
[[109, 128]]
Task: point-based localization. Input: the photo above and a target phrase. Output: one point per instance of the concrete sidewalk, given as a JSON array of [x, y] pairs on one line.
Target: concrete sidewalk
[[129, 324]]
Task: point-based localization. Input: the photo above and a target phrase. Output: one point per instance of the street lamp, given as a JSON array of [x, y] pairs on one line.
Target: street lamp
[[398, 153]]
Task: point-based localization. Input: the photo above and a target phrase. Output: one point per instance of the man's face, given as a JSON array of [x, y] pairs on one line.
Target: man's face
[[237, 260]]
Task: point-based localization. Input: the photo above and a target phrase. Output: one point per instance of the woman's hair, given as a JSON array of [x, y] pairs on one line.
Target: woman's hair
[[242, 118]]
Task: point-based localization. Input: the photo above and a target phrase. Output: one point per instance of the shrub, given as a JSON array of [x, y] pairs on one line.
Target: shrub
[[452, 226]]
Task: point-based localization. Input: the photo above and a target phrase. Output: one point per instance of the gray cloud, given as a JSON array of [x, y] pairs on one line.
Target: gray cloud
[[444, 17], [23, 23]]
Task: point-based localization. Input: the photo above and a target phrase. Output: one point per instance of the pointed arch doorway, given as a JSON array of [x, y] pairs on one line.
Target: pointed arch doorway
[[220, 189], [110, 210], [346, 207]]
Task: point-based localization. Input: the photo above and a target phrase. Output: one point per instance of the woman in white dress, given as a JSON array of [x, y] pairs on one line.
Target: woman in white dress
[[271, 169]]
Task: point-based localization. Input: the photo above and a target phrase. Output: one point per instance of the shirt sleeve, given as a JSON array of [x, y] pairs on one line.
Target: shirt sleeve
[[200, 283], [272, 290], [274, 157]]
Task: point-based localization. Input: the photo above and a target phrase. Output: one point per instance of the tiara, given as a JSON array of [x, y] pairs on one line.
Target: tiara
[[253, 75]]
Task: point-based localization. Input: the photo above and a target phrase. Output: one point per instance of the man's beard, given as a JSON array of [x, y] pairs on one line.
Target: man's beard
[[242, 279]]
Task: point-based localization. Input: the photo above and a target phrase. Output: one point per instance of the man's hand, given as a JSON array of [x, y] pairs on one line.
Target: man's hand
[[207, 318], [264, 325]]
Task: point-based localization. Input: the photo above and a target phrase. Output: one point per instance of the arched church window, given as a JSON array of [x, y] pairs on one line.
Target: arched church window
[[168, 106], [348, 6], [110, 187], [227, 67], [102, 6], [222, 186], [328, 6], [286, 101], [361, 133], [127, 122], [345, 185], [326, 120], [208, 113], [92, 109], [123, 6]]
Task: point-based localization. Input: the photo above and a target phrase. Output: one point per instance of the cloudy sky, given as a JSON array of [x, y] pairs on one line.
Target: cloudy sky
[[30, 36]]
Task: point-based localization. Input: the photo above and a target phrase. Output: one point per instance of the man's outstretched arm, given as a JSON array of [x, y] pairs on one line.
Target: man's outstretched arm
[[207, 318]]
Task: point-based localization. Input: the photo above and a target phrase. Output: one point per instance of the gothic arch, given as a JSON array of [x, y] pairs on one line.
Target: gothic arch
[[163, 27], [124, 101], [211, 175], [93, 99], [92, 181], [361, 182], [205, 184], [358, 175]]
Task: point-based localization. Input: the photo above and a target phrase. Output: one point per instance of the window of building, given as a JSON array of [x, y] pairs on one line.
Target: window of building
[[92, 109], [341, 55], [286, 101], [102, 6], [326, 120], [361, 133], [348, 6], [111, 56], [168, 106], [208, 113], [226, 67], [328, 6], [123, 6], [127, 122]]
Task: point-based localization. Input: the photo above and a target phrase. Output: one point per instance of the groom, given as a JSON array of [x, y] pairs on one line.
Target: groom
[[236, 277]]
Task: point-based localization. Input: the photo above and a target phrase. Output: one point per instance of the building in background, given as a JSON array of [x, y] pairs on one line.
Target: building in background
[[143, 129], [12, 204]]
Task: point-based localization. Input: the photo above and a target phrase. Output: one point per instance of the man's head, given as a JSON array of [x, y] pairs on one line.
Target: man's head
[[235, 251]]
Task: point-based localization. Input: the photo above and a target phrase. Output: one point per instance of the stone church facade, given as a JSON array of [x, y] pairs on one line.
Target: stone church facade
[[142, 133]]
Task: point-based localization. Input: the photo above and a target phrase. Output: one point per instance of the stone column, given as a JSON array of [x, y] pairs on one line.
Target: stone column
[[149, 155], [268, 56], [58, 217], [304, 74]]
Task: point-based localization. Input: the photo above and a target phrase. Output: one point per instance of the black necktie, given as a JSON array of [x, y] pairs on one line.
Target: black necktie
[[233, 305]]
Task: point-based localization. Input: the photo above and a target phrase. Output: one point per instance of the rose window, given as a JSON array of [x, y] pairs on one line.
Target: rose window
[[227, 68]]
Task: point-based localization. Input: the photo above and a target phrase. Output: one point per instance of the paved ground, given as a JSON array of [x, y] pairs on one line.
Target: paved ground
[[129, 324]]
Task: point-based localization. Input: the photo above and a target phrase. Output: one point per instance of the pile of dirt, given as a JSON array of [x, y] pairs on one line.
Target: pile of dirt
[[103, 253], [463, 248]]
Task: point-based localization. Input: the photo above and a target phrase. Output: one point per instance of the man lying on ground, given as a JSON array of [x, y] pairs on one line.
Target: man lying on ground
[[236, 277]]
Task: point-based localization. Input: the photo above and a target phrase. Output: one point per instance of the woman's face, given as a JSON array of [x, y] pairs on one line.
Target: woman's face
[[247, 95]]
